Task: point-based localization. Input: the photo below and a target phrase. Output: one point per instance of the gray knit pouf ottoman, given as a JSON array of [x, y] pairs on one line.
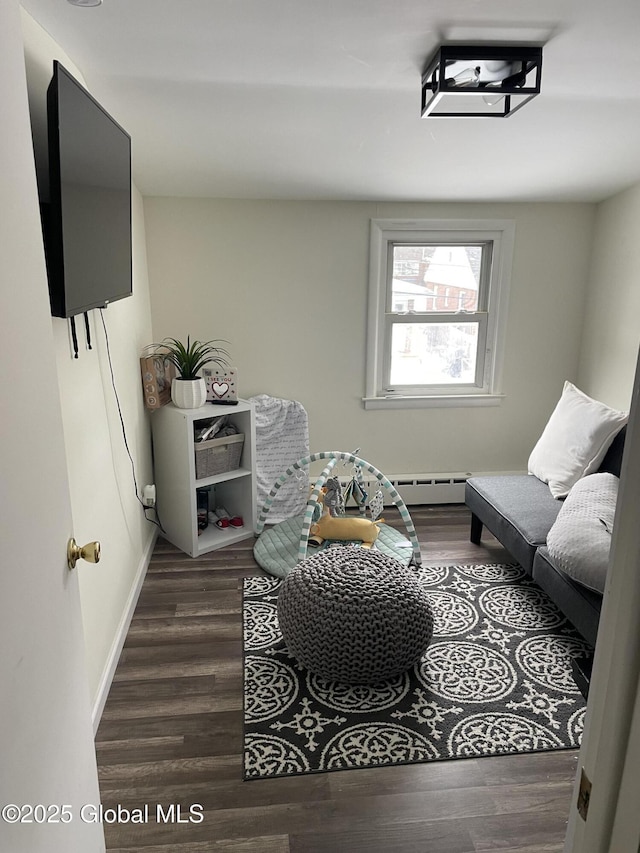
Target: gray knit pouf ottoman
[[354, 615]]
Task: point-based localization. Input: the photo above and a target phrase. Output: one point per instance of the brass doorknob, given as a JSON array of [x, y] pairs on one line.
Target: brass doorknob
[[89, 552]]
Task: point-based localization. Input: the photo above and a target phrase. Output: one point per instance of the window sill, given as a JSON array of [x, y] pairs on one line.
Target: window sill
[[398, 401]]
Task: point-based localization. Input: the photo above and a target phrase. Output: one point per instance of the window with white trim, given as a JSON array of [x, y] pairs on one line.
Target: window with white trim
[[437, 311]]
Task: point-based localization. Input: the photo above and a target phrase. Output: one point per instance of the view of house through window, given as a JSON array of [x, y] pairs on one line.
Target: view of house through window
[[438, 294], [435, 295]]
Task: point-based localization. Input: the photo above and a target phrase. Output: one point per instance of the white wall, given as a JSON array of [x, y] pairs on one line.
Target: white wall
[[103, 498], [46, 744], [286, 284], [611, 332], [608, 372]]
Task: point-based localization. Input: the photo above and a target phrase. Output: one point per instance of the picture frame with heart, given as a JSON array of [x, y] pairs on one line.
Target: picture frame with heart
[[221, 384]]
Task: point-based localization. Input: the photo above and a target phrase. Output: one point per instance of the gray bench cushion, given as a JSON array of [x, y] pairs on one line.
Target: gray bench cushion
[[519, 511], [579, 604]]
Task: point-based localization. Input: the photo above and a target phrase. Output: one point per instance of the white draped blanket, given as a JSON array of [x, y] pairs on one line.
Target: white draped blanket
[[282, 437]]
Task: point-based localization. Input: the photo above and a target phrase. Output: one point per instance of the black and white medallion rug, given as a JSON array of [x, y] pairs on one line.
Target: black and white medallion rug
[[496, 679]]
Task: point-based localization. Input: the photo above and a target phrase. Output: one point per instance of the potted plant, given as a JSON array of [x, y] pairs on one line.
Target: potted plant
[[188, 390]]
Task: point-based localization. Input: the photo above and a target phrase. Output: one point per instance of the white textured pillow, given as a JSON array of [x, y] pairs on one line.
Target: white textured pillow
[[574, 441], [580, 538]]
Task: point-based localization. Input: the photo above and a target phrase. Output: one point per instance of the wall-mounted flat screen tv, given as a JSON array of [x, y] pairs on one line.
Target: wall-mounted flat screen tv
[[87, 222]]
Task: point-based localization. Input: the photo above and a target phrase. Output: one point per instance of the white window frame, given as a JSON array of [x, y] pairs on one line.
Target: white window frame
[[486, 391]]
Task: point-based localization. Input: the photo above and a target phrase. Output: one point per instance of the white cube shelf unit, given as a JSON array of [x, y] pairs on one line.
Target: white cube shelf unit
[[177, 486]]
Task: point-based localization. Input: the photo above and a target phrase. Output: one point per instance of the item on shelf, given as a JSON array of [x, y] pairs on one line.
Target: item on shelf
[[157, 375], [223, 519], [203, 509], [189, 359], [218, 456], [188, 390], [222, 385], [213, 427]]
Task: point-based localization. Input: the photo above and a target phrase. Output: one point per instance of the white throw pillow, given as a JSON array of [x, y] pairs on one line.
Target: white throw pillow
[[580, 538], [574, 441]]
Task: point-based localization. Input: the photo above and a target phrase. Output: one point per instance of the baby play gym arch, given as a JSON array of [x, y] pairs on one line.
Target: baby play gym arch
[[332, 457]]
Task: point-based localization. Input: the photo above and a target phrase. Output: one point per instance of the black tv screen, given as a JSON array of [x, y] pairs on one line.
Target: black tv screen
[[87, 223]]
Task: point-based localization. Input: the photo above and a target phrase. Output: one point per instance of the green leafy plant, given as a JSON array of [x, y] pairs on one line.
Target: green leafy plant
[[190, 359]]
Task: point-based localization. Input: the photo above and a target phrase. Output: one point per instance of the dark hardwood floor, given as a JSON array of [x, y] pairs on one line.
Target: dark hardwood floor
[[171, 734]]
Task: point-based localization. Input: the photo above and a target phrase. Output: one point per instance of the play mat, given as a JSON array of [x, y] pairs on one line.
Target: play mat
[[281, 546]]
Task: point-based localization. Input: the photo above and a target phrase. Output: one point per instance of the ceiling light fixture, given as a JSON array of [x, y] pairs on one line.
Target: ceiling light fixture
[[480, 80], [85, 2]]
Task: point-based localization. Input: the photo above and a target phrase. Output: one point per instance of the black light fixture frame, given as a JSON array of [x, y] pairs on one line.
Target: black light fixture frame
[[436, 84]]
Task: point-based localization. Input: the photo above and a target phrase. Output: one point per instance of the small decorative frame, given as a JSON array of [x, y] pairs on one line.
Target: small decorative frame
[[222, 384]]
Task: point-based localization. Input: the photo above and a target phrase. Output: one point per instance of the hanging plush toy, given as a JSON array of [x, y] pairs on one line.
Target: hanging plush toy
[[376, 505], [354, 490], [333, 502]]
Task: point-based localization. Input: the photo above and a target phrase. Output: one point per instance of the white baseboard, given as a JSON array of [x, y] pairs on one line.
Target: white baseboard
[[121, 633]]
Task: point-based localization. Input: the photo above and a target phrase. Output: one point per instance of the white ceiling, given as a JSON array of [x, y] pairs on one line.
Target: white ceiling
[[320, 99]]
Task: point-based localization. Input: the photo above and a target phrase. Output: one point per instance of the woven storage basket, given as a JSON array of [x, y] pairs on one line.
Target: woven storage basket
[[218, 455]]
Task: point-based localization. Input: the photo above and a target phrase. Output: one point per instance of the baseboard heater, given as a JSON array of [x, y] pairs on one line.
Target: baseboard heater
[[429, 489], [421, 488]]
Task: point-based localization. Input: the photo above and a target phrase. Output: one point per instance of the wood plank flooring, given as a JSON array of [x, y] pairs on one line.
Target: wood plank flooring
[[171, 734]]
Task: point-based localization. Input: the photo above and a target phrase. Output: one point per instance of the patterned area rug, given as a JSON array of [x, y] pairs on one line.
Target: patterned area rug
[[495, 679]]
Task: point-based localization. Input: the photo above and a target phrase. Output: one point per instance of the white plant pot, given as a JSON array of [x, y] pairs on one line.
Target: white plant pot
[[189, 393]]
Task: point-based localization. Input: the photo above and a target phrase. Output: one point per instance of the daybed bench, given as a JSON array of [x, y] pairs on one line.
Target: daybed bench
[[521, 510]]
